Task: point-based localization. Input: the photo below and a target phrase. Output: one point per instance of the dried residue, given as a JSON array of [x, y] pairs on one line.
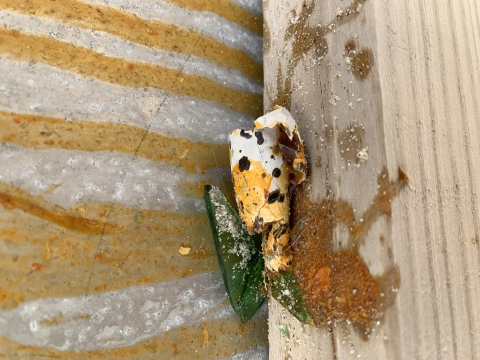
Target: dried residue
[[19, 199], [205, 334], [305, 37], [339, 286], [359, 61]]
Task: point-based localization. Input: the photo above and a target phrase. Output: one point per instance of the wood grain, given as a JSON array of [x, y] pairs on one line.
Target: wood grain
[[102, 170], [419, 110]]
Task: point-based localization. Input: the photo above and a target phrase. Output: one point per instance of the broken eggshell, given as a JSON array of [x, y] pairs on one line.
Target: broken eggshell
[[267, 162]]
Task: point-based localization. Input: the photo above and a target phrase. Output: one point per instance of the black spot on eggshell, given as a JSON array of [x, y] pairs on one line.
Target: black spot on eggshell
[[281, 198], [259, 136], [264, 175], [244, 134], [273, 196], [276, 172], [244, 164]]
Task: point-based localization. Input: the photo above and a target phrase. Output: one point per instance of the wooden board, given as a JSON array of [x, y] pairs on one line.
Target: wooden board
[[113, 116], [410, 94]]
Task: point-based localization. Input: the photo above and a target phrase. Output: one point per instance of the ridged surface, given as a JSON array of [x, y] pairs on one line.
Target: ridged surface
[[113, 116]]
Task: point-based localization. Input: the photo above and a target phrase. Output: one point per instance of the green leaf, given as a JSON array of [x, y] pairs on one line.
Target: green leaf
[[284, 287], [241, 262]]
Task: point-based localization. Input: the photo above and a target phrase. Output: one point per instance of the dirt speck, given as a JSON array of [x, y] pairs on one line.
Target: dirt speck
[[36, 266]]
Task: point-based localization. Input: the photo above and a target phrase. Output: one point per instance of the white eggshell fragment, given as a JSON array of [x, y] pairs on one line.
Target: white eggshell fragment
[[266, 163]]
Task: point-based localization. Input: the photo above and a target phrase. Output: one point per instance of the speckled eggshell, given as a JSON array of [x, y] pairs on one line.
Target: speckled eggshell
[[258, 175], [261, 180], [279, 116]]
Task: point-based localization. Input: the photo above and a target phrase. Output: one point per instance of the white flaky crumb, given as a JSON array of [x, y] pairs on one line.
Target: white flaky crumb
[[339, 13], [362, 155], [333, 100]]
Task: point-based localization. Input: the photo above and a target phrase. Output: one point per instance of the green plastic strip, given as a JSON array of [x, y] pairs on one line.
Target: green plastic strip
[[241, 262], [284, 287]]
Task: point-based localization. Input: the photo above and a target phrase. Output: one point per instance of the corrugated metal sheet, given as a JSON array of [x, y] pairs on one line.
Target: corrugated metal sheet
[[113, 116]]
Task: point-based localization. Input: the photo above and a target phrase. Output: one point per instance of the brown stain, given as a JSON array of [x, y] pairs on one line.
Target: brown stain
[[136, 253], [10, 300], [362, 63], [52, 321], [101, 287], [224, 340], [305, 37], [16, 45], [226, 9], [267, 40], [204, 156], [32, 131], [194, 190], [339, 286], [19, 199], [151, 33], [350, 142], [284, 88], [36, 266], [80, 317], [205, 334], [59, 319], [350, 46]]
